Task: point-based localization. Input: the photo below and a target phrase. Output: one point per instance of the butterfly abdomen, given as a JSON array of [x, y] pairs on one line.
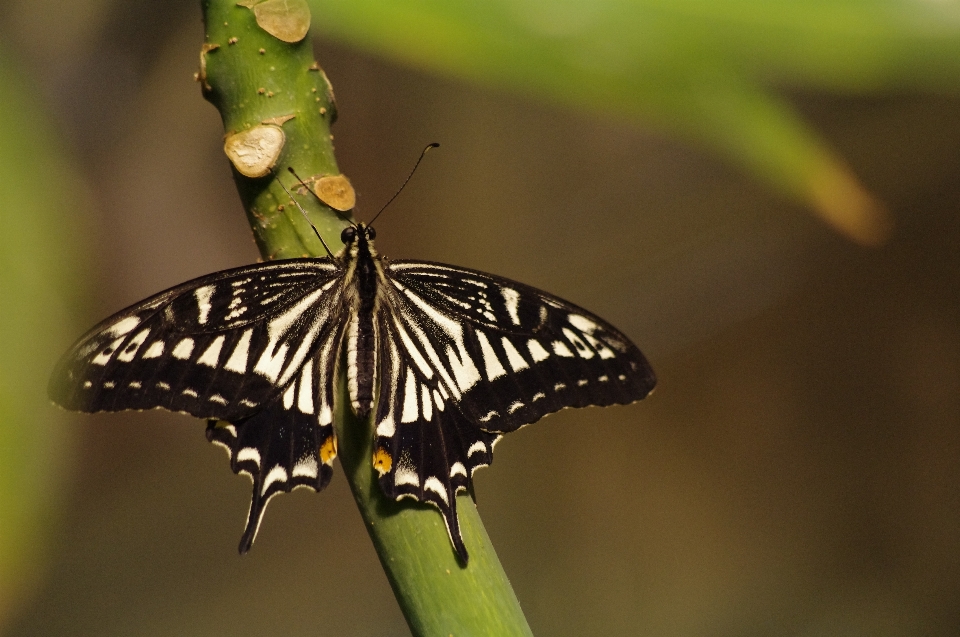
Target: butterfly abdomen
[[361, 348]]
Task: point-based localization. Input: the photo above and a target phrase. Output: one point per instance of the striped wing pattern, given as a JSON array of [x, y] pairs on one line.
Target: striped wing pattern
[[251, 349], [291, 442], [466, 357]]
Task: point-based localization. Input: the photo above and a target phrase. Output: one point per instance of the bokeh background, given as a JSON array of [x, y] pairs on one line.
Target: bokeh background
[[703, 174]]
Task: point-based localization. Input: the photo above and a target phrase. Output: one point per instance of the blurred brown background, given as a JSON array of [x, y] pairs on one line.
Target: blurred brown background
[[797, 471]]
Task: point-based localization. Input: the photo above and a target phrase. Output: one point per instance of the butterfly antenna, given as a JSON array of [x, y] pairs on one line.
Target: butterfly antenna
[[403, 185], [310, 190], [304, 212]]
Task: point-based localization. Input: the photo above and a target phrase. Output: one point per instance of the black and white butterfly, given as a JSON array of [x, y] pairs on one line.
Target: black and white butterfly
[[446, 359]]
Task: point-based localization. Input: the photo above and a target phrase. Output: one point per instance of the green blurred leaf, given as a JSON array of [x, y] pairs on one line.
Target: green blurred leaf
[[37, 268], [697, 68]]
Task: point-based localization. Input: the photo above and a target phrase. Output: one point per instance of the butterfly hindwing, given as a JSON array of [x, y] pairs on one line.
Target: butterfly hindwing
[[216, 347], [289, 443], [425, 448]]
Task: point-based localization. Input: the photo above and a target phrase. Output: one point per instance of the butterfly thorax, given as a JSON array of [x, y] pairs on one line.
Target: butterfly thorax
[[363, 274]]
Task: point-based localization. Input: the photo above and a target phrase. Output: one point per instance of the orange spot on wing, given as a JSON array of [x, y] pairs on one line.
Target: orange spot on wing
[[382, 461], [328, 450]]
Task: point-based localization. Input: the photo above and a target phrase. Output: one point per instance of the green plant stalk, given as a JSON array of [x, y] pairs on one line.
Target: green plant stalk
[[254, 78]]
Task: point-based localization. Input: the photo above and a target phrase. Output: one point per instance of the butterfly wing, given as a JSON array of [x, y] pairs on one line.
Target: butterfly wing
[[252, 348], [425, 448], [469, 356], [216, 347], [291, 442], [521, 353]]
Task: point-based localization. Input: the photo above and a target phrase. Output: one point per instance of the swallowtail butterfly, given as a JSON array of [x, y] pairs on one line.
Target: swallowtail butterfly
[[446, 360]]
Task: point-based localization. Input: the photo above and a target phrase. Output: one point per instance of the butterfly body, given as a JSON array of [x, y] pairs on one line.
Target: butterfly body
[[361, 334], [442, 360]]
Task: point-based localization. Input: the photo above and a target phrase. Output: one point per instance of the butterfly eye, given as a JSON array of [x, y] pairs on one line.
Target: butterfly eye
[[371, 234], [348, 235]]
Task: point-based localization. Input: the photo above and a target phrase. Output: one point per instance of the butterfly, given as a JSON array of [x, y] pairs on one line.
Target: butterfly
[[445, 359]]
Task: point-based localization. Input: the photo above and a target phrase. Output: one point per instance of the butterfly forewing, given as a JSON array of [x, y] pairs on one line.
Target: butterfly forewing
[[530, 353], [216, 347]]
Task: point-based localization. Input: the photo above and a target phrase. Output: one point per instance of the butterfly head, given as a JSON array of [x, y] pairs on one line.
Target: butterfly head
[[358, 233]]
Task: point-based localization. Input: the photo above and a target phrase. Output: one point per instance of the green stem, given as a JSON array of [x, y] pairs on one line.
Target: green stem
[[257, 82]]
